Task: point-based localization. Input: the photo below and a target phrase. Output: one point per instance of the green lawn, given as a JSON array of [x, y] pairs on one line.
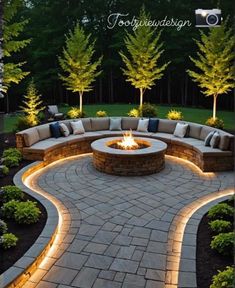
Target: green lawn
[[190, 114]]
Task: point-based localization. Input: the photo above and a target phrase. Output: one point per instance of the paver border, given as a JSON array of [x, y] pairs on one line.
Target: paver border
[[20, 272], [182, 238]]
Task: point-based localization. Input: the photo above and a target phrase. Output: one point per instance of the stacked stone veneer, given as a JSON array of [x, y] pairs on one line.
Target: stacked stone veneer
[[204, 162]]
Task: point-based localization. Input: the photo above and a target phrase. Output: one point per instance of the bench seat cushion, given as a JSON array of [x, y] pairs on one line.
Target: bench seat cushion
[[43, 146], [208, 151]]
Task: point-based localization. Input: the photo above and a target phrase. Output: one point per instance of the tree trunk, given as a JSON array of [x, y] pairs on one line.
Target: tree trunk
[[214, 106], [141, 100], [169, 88], [80, 95]]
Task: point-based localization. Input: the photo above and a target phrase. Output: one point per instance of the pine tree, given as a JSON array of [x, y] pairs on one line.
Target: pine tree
[[13, 72], [215, 62], [77, 63], [142, 69], [32, 105]]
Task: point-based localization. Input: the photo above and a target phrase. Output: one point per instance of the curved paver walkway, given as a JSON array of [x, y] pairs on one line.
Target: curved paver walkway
[[118, 225]]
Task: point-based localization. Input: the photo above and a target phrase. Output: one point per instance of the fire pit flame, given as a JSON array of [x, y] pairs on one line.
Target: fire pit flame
[[128, 142]]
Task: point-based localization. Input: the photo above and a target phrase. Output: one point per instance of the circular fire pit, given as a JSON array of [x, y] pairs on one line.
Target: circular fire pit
[[146, 159]]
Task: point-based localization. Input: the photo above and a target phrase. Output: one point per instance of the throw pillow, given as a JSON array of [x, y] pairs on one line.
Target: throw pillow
[[153, 125], [115, 124], [180, 130], [64, 130], [208, 138], [55, 130], [214, 143], [143, 125], [77, 127], [224, 143]]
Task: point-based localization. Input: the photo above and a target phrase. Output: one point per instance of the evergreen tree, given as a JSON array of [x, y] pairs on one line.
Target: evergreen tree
[[142, 68], [32, 105], [77, 64], [215, 62], [13, 72]]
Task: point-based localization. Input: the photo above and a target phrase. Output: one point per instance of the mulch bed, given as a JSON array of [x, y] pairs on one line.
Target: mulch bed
[[27, 234], [208, 260]]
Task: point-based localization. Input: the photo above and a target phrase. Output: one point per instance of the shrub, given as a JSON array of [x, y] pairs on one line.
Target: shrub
[[101, 113], [216, 123], [224, 279], [8, 240], [223, 243], [11, 161], [22, 123], [220, 226], [9, 208], [4, 170], [27, 212], [75, 112], [3, 227], [148, 110], [174, 115], [133, 113], [221, 211], [12, 193], [13, 152]]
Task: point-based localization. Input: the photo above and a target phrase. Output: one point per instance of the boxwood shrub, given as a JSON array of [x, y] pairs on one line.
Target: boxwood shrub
[[224, 243], [224, 279], [11, 161], [3, 227], [12, 152], [8, 209], [11, 192], [27, 212], [8, 240], [221, 211], [220, 226]]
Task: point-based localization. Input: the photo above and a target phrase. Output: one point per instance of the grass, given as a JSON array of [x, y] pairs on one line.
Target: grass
[[190, 114]]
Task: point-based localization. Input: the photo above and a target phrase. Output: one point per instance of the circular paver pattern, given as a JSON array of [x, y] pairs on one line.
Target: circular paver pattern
[[119, 225]]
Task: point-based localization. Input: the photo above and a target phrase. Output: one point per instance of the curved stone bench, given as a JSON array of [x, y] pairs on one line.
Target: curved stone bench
[[36, 143]]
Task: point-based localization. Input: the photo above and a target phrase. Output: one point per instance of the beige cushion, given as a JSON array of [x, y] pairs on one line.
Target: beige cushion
[[31, 136], [44, 131], [195, 130], [180, 130], [68, 124], [115, 124], [100, 124], [129, 123], [143, 125], [86, 124], [205, 131], [214, 143], [64, 130], [166, 126], [224, 142], [77, 127]]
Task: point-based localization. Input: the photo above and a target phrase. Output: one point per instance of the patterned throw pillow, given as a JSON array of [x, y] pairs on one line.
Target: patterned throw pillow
[[64, 130], [208, 138], [214, 143]]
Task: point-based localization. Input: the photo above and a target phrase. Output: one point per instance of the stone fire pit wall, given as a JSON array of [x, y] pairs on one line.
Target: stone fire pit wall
[[138, 162]]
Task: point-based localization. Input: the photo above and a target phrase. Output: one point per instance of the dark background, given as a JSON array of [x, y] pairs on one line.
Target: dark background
[[50, 20]]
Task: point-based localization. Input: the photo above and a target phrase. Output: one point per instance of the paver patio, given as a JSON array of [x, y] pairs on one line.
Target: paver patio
[[119, 225]]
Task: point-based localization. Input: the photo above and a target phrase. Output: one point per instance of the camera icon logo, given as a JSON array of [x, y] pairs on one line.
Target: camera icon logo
[[208, 18]]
